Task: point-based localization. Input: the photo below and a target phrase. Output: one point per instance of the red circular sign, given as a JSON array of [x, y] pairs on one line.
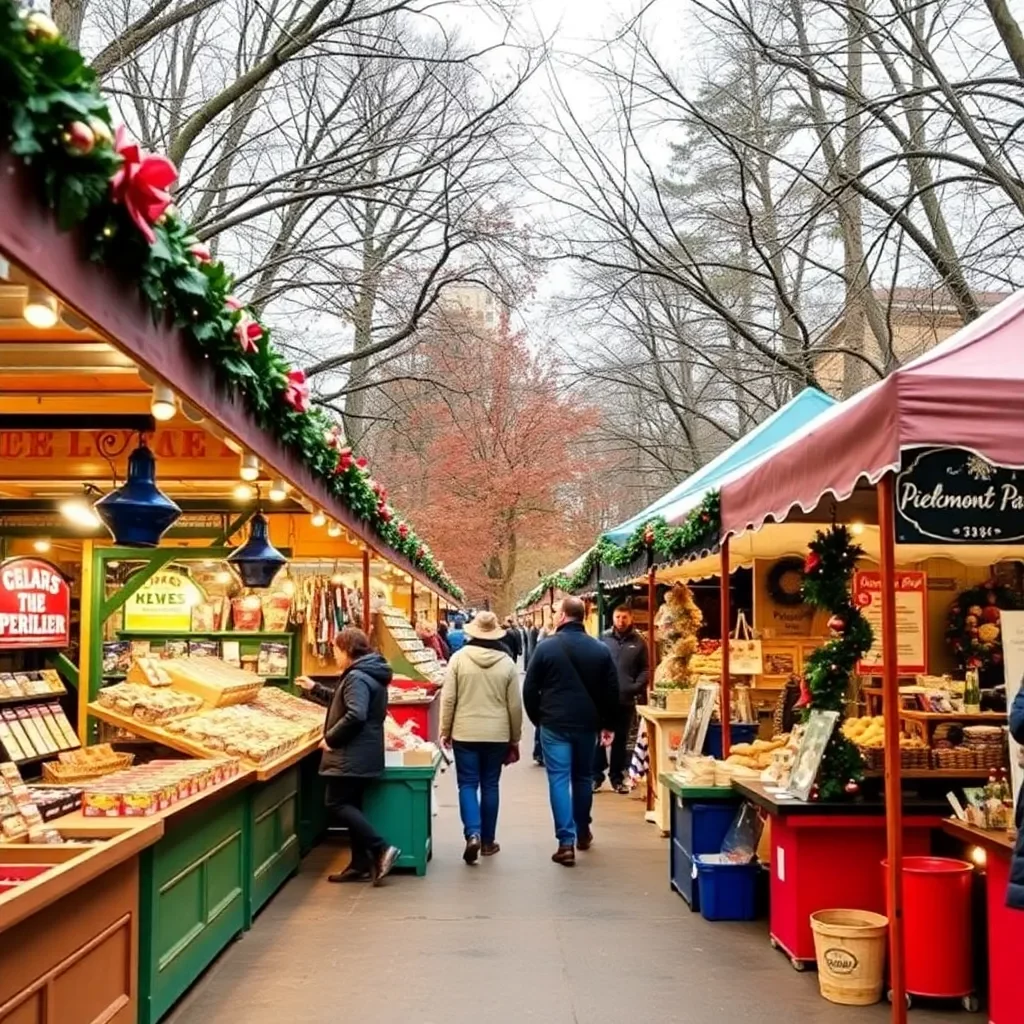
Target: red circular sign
[[35, 605]]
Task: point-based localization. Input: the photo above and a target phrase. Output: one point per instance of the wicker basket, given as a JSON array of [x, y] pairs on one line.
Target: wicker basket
[[955, 758], [55, 772], [910, 758]]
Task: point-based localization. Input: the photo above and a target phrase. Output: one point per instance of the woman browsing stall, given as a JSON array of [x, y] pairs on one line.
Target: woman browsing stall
[[353, 750], [481, 718]]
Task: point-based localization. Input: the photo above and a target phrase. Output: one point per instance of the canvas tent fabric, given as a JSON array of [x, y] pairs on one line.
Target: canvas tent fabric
[[687, 495], [967, 392]]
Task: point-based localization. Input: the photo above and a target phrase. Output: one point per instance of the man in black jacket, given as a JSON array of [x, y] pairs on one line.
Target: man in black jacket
[[511, 640], [571, 694], [629, 652]]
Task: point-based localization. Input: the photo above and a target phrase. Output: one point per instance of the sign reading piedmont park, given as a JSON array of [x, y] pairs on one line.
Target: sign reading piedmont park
[[957, 497], [35, 605]]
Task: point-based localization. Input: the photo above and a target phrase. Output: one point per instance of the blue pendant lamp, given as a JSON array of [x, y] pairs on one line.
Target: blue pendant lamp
[[257, 561], [138, 513]]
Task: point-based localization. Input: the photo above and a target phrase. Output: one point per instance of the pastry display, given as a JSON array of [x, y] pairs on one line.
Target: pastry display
[[147, 703], [149, 671], [85, 763], [283, 705], [242, 731]]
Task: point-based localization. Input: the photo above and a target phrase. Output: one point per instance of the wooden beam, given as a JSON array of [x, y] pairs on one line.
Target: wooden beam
[[725, 701]]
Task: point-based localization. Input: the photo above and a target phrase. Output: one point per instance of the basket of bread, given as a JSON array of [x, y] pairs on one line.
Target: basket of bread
[[86, 763], [867, 733]]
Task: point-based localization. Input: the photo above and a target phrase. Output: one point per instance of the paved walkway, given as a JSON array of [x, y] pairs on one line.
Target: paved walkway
[[513, 939]]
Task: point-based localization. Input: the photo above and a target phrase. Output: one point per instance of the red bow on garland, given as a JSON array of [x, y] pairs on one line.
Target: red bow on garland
[[296, 391], [141, 183]]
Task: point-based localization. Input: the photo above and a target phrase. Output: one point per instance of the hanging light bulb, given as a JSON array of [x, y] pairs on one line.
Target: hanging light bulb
[[138, 513], [79, 512], [250, 467], [242, 492], [856, 528], [163, 405], [334, 530], [41, 309], [278, 490], [318, 518], [42, 545], [223, 577]]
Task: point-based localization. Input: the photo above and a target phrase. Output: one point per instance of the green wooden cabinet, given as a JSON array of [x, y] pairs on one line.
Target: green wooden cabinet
[[273, 810], [192, 899], [399, 807]]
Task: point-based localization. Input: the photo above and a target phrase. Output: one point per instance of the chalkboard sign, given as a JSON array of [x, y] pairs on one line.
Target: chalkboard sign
[[956, 497]]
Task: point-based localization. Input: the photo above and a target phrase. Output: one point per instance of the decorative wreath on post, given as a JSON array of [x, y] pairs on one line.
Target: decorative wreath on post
[[786, 580], [974, 628]]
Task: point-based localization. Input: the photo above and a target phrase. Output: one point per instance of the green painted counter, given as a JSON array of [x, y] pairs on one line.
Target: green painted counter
[[398, 805], [222, 857]]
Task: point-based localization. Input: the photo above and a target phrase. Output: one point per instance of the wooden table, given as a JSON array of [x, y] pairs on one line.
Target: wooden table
[[828, 855], [1005, 926], [664, 733]]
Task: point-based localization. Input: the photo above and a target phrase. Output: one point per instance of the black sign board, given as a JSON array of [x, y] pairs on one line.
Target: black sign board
[[956, 497]]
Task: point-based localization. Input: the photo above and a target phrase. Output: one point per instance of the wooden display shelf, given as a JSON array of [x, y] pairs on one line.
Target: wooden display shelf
[[213, 634], [53, 695], [127, 838], [981, 717], [933, 773], [176, 742]]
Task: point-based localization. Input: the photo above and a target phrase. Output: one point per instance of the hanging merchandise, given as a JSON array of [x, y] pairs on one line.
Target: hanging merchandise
[[138, 513]]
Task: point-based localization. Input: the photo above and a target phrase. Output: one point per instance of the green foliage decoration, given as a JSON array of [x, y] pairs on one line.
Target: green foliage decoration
[[828, 573], [47, 90]]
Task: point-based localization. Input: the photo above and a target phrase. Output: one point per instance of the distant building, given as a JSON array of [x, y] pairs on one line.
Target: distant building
[[918, 318], [473, 301]]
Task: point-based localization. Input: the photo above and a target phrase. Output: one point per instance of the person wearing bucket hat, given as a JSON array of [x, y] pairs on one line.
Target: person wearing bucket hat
[[481, 719]]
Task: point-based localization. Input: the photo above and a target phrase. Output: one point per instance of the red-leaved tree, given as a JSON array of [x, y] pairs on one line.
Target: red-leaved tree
[[488, 461]]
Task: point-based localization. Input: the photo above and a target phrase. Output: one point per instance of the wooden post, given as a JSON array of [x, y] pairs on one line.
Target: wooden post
[[412, 599], [366, 591], [891, 711], [87, 623], [725, 702], [652, 646]]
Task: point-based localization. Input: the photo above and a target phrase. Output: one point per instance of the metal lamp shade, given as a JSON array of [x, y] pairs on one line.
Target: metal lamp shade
[[257, 561], [138, 513]]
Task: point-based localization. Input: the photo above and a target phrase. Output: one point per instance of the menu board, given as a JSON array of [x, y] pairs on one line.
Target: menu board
[[911, 589]]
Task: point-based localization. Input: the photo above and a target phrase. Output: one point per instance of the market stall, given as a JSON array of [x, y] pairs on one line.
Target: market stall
[[180, 536]]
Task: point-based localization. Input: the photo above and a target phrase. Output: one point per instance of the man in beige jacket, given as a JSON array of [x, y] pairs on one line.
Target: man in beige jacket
[[481, 719]]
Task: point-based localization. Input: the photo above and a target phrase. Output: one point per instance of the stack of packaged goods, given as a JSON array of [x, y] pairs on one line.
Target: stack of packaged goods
[[150, 788]]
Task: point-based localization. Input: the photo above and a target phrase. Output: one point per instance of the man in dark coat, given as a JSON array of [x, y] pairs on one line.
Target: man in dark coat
[[353, 750], [1015, 891], [629, 652], [511, 641], [571, 694]]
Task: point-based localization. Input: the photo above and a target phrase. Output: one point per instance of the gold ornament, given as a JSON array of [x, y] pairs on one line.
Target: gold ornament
[[41, 26], [101, 131]]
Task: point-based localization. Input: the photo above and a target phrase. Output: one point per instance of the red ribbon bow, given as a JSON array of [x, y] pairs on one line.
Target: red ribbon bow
[[141, 183]]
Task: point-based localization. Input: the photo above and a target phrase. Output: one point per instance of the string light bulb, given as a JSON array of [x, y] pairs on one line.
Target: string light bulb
[[42, 545], [250, 467], [278, 490], [163, 404], [318, 518], [334, 530], [242, 492], [856, 528], [41, 309], [79, 512]]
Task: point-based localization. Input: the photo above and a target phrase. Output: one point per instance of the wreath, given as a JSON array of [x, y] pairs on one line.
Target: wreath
[[786, 580], [974, 628]]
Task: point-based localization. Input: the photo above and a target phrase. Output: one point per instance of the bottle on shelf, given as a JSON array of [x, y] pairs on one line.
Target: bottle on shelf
[[972, 692]]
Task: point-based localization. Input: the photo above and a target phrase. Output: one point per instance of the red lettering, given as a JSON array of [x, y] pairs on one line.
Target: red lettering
[[193, 444], [41, 445], [79, 446], [225, 452], [165, 443]]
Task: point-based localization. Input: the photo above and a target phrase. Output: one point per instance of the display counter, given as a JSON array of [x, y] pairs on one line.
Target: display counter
[[398, 805], [699, 818], [828, 854], [70, 937], [1005, 926], [664, 733]]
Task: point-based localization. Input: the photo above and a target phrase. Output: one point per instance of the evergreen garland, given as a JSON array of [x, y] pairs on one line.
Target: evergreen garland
[[828, 573], [668, 543], [55, 120]]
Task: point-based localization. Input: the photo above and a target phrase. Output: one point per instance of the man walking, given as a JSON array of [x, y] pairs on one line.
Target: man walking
[[629, 652], [571, 694], [511, 640]]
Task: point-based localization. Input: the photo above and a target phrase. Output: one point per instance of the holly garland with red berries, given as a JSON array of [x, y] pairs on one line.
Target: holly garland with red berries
[[828, 572], [97, 180]]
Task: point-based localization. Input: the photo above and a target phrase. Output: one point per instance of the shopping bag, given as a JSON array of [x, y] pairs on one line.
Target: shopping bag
[[745, 657]]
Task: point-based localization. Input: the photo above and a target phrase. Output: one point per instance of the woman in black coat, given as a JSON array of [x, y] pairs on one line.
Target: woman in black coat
[[1015, 892], [353, 750]]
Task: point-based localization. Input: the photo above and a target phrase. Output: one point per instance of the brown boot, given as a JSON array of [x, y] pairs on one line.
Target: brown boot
[[490, 849], [585, 840], [565, 855]]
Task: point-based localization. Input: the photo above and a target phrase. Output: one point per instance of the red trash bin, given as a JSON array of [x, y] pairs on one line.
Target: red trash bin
[[937, 926]]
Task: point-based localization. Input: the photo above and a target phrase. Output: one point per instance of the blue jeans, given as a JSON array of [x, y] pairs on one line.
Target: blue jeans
[[569, 760], [478, 772]]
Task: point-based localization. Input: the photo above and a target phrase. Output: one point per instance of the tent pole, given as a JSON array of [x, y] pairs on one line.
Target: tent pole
[[366, 591], [725, 704], [412, 601], [652, 647], [891, 711]]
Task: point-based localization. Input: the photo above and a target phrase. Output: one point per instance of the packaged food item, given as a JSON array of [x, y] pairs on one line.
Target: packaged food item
[[13, 827]]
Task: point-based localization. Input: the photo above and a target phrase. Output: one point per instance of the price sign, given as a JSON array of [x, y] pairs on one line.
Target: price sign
[[35, 605], [911, 620]]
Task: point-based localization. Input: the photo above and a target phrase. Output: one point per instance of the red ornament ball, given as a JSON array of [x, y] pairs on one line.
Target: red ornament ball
[[815, 792], [852, 787], [811, 562], [837, 623]]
